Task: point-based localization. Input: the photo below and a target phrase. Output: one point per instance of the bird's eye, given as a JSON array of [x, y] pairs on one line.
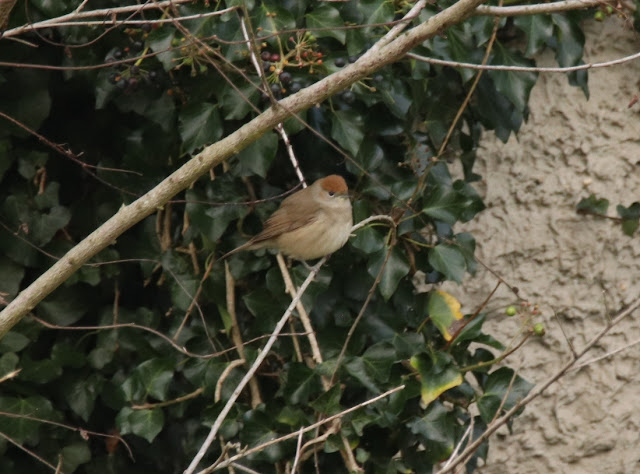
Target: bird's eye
[[331, 193]]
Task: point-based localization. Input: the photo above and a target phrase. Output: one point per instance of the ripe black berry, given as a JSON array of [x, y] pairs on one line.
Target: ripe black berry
[[146, 27], [275, 88], [265, 55], [353, 59], [348, 97], [117, 54], [266, 66], [340, 62], [295, 87], [285, 78], [138, 45]]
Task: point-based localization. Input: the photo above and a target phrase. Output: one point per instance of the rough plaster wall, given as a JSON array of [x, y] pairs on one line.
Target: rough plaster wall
[[530, 234]]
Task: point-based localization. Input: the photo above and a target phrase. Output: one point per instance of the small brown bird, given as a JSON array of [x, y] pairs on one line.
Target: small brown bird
[[309, 224]]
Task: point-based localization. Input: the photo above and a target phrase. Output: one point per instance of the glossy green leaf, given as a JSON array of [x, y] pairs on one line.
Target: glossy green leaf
[[448, 260], [258, 428], [593, 204], [38, 371], [395, 269], [438, 373], [326, 22], [444, 311], [348, 130], [630, 217], [301, 382], [24, 429], [502, 389], [81, 394], [257, 157], [74, 455], [516, 86], [155, 375], [144, 423], [200, 125], [328, 402], [437, 431], [13, 342], [538, 30], [570, 40]]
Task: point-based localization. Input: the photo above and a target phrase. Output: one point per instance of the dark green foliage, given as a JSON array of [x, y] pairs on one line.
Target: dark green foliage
[[116, 131]]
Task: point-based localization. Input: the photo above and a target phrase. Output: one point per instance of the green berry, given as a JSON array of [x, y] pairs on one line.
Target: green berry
[[538, 329], [511, 311]]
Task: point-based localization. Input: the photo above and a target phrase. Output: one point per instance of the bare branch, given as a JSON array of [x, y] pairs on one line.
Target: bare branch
[[129, 215], [295, 434], [553, 7], [252, 370], [581, 67]]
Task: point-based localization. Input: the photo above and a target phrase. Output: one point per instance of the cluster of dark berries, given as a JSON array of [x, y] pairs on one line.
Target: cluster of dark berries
[[129, 76]]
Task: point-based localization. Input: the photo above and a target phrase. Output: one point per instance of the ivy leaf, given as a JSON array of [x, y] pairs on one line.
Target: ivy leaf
[[438, 373], [327, 22], [39, 371], [448, 260], [378, 360], [258, 429], [437, 430], [199, 125], [348, 130], [593, 204], [444, 311], [257, 157], [357, 368], [144, 423], [501, 385], [11, 275], [81, 394], [395, 270], [155, 375], [630, 216], [328, 402], [514, 85], [65, 307], [570, 40], [74, 455], [538, 30], [300, 383], [21, 429]]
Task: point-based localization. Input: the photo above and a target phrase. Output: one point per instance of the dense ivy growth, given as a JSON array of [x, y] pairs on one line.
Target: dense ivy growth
[[109, 110]]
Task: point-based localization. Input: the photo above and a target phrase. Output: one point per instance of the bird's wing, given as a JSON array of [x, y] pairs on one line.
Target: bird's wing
[[291, 215]]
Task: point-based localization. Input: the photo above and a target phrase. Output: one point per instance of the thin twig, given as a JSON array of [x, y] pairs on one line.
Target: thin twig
[[467, 99], [236, 337], [252, 370], [149, 406], [486, 67], [538, 8], [223, 376], [305, 429]]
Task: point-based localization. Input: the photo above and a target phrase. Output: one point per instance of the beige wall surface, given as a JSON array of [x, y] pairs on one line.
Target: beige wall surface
[[578, 267]]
